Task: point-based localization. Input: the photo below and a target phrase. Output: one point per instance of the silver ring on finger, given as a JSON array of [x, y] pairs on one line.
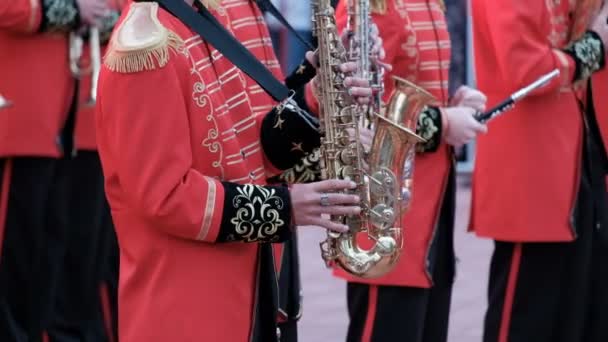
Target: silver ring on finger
[[325, 200]]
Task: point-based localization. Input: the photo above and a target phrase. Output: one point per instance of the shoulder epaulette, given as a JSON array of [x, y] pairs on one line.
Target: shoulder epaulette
[[141, 42]]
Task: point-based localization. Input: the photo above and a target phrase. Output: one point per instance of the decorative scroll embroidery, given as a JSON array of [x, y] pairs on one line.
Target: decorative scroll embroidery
[[306, 171], [429, 128], [589, 55], [410, 46], [257, 215], [59, 15], [200, 96]]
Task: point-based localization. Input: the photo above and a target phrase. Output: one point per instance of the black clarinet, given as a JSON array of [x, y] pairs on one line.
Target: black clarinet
[[516, 96]]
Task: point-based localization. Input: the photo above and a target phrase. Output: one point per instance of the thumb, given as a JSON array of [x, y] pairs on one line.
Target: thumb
[[312, 58]]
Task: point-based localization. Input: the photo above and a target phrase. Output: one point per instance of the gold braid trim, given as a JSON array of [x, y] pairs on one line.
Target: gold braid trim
[[145, 59], [379, 6]]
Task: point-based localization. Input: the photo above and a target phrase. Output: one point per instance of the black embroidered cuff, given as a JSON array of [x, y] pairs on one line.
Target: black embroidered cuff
[[254, 213], [307, 170], [288, 134], [588, 53], [301, 75], [59, 16], [430, 128]]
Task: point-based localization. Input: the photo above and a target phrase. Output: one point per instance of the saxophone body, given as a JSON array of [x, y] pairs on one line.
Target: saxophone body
[[378, 174]]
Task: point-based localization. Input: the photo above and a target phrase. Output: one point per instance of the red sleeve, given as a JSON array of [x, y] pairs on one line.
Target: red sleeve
[[516, 29], [144, 129], [20, 15]]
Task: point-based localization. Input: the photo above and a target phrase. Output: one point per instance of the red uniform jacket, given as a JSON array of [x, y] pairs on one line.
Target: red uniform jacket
[[174, 119], [417, 44], [527, 168], [35, 77], [600, 94]]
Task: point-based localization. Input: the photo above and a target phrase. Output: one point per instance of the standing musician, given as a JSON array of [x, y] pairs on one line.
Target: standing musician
[[84, 306], [539, 184], [186, 141], [36, 138], [413, 300]]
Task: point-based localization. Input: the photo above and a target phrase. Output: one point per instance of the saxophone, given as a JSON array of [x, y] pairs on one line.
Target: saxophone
[[379, 177], [359, 29]]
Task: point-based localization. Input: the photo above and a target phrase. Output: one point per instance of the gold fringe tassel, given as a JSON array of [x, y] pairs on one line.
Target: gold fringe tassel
[[145, 59]]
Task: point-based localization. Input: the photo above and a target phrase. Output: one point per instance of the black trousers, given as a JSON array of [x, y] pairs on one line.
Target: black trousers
[[557, 292], [409, 314], [79, 307], [33, 221], [109, 261], [289, 331]]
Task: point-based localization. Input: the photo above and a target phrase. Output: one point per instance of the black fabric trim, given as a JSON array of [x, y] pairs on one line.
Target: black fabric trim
[[290, 287], [301, 75], [105, 28], [254, 213], [307, 170], [297, 81], [66, 140], [59, 16], [267, 301], [588, 54], [288, 134], [430, 126]]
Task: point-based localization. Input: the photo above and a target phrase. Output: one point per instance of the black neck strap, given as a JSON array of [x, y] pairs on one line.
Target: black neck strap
[[214, 33], [268, 6]]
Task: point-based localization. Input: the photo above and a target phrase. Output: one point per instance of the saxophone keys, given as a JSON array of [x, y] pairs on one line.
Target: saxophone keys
[[386, 245], [382, 216], [383, 183]]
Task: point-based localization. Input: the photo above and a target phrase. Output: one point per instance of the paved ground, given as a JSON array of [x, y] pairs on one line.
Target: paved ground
[[325, 315]]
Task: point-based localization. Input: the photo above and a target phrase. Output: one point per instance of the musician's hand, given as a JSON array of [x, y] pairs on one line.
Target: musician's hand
[[92, 11], [358, 88], [462, 126], [310, 201], [599, 24], [469, 97], [378, 54], [365, 139]]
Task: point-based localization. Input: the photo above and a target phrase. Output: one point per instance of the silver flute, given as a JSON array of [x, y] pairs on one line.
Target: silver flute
[[516, 96]]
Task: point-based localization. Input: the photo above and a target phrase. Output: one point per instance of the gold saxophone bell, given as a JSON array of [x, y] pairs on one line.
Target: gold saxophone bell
[[390, 185], [76, 47], [4, 103], [384, 175]]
